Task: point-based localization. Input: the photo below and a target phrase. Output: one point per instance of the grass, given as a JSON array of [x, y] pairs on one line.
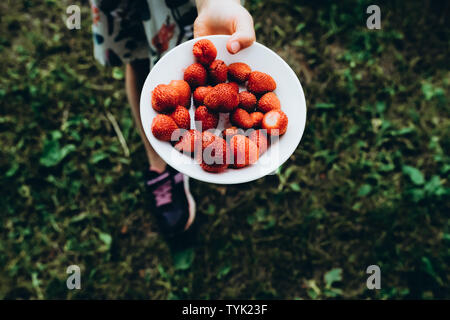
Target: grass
[[367, 185]]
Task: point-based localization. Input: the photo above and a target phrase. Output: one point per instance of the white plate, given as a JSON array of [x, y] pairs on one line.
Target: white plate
[[260, 58]]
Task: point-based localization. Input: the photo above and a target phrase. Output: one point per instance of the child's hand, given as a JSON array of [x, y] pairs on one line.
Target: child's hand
[[225, 17]]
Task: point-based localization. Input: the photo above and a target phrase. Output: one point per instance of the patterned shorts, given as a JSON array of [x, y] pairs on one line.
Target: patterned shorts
[[128, 30]]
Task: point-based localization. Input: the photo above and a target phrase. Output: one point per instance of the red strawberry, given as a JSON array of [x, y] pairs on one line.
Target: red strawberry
[[231, 131], [244, 150], [257, 119], [208, 119], [195, 75], [247, 101], [200, 94], [260, 138], [222, 98], [181, 117], [241, 119], [207, 138], [235, 86], [268, 102], [214, 168], [260, 83], [239, 72], [190, 141], [215, 155], [218, 71], [163, 127], [184, 92], [275, 122], [164, 98], [204, 51]]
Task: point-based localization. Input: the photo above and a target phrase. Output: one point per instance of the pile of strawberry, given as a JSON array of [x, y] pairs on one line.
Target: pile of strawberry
[[257, 111]]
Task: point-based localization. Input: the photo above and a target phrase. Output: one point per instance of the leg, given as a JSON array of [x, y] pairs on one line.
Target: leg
[[135, 75], [174, 204], [167, 191]]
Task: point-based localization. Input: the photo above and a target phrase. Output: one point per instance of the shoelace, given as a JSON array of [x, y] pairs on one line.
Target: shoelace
[[159, 178], [163, 194]]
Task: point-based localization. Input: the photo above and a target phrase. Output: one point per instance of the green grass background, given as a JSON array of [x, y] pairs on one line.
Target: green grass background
[[367, 185]]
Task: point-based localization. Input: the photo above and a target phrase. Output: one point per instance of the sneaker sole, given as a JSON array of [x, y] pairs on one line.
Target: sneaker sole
[[191, 202]]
